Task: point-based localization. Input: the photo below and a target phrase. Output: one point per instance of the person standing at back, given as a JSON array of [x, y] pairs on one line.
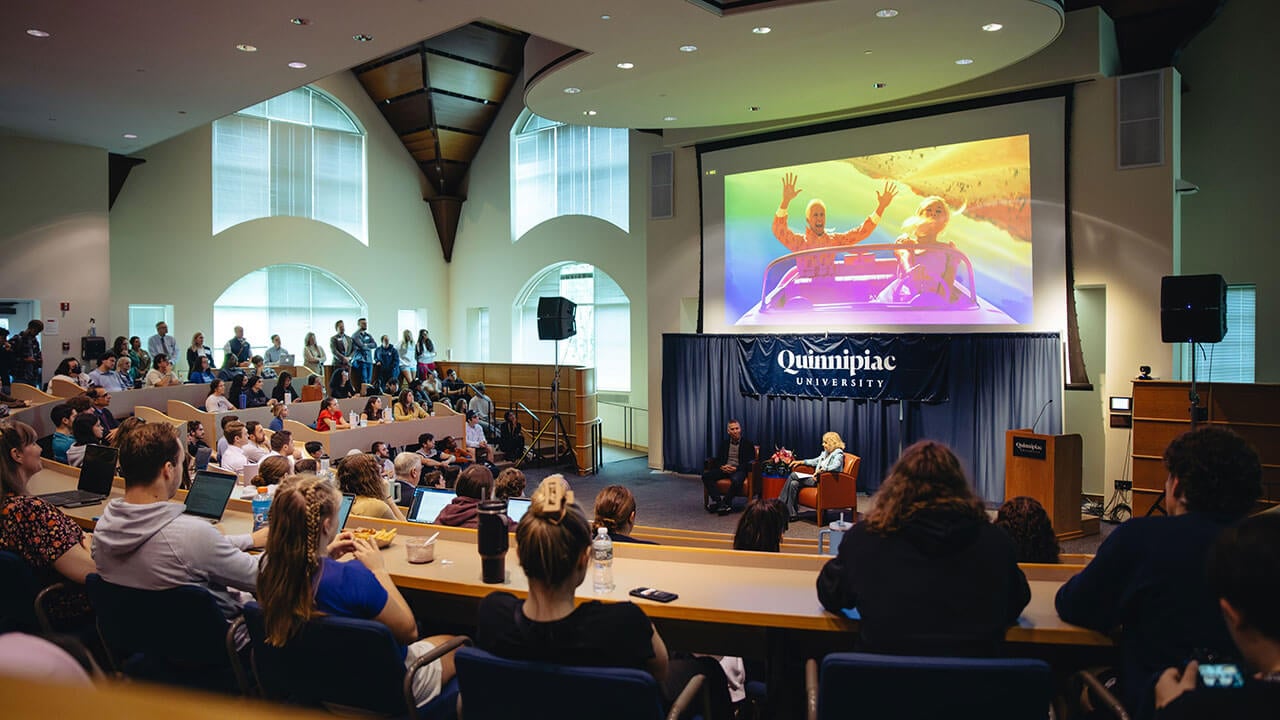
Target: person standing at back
[[162, 343], [1148, 576], [341, 346], [28, 361], [362, 346], [238, 350]]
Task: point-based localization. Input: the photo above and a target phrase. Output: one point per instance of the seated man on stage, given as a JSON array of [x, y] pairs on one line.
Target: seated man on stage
[[733, 462]]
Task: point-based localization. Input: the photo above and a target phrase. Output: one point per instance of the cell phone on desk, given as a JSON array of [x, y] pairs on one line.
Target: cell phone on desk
[[1221, 675], [654, 594]]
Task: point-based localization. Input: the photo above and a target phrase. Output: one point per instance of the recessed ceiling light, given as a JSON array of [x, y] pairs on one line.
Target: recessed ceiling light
[[606, 17], [993, 27], [361, 37], [878, 86], [130, 136], [37, 33], [965, 61], [246, 47], [755, 108], [625, 65], [588, 112], [572, 90], [300, 21], [886, 13], [866, 52], [688, 48], [669, 118], [297, 65], [762, 30], [182, 112]]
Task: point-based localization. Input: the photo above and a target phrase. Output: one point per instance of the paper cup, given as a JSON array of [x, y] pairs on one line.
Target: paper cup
[[418, 550]]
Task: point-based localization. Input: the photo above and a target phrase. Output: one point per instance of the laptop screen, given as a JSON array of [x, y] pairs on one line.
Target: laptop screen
[[344, 510], [516, 508], [209, 493], [427, 504], [202, 457], [98, 469]]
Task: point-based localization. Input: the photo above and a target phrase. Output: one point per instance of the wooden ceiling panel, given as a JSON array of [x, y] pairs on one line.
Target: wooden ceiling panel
[[464, 114], [485, 44], [467, 79], [459, 146], [408, 114], [446, 177], [393, 79], [421, 145]]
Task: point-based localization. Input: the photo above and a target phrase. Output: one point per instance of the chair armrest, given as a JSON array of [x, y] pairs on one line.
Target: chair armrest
[[691, 690], [436, 653], [42, 616], [804, 468], [233, 657], [1110, 703], [811, 689]]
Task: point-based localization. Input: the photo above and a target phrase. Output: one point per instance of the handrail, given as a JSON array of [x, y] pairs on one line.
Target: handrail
[[597, 444], [531, 414], [628, 421]]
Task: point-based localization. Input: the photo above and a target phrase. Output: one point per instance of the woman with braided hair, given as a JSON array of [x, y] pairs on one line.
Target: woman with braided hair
[[301, 577]]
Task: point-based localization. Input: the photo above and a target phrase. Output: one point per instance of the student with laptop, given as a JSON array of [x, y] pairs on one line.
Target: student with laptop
[[86, 429], [144, 541]]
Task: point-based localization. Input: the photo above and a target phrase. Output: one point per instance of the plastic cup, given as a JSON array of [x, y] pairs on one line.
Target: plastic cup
[[418, 550]]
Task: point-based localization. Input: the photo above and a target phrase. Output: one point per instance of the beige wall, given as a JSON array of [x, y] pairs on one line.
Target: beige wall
[[54, 236]]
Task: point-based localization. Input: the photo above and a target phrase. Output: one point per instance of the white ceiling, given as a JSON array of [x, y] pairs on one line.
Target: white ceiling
[[157, 68]]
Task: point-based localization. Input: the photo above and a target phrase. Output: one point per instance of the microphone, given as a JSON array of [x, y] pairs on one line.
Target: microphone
[[1042, 409]]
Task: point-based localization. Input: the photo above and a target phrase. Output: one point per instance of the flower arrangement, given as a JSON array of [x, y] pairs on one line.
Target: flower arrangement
[[778, 464]]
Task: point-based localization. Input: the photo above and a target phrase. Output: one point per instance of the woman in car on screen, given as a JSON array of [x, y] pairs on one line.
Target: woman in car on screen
[[921, 272]]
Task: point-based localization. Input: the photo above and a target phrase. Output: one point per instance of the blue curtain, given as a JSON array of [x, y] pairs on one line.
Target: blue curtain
[[996, 382]]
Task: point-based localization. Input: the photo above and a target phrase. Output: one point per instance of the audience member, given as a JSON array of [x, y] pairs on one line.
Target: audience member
[[202, 371], [421, 396], [301, 579], [254, 396], [216, 401], [105, 375], [62, 439], [926, 570], [275, 352], [387, 360], [127, 426], [258, 367], [238, 350], [361, 475], [195, 437], [28, 360], [198, 350], [454, 389], [284, 392], [372, 412], [733, 462], [1028, 525], [162, 343], [474, 484], [616, 513], [257, 447], [7, 359], [313, 356], [233, 459], [279, 413], [762, 526], [1147, 577], [406, 409], [382, 453], [553, 544], [120, 346], [509, 483], [831, 459], [271, 471], [476, 443], [330, 417], [306, 466], [511, 437], [141, 358], [362, 345], [408, 364], [223, 422], [482, 405], [239, 386], [341, 346], [69, 370], [144, 541], [282, 446], [408, 472], [433, 387], [433, 462], [86, 429], [101, 402], [124, 368], [162, 375], [1244, 574], [450, 450], [425, 354], [340, 385]]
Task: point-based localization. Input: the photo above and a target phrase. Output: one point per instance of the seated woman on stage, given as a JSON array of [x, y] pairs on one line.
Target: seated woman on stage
[[1028, 525], [926, 570], [330, 417], [361, 475], [553, 542], [616, 513], [300, 578], [761, 526], [831, 459]]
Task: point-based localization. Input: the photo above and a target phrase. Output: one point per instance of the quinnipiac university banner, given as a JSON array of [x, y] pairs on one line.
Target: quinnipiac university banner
[[871, 367]]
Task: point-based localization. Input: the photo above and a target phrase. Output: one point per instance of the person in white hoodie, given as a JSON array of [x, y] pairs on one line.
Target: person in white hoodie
[[144, 541]]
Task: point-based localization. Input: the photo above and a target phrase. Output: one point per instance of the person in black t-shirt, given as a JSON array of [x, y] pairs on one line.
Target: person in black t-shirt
[[554, 546], [1244, 572]]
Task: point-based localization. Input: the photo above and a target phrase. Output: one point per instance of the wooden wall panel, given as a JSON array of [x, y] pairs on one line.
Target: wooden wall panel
[[1254, 404], [525, 376], [1153, 399], [497, 374], [1151, 437]]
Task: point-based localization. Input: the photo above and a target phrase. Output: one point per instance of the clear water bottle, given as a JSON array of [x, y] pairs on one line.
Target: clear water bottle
[[262, 507], [602, 562]]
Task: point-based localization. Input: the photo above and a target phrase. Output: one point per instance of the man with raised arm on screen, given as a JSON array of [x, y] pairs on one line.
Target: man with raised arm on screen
[[815, 229]]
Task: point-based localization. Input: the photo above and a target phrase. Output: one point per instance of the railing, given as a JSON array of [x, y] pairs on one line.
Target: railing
[[597, 445], [629, 426]]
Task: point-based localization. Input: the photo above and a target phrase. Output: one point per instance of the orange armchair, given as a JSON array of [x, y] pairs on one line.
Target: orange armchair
[[835, 490], [750, 486]]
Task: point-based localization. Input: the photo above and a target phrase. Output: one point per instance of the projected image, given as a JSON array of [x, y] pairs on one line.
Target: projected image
[[929, 236]]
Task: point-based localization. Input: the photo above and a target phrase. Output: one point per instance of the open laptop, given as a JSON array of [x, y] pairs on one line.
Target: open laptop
[[344, 509], [517, 507], [209, 493], [96, 475], [202, 457], [427, 504], [285, 359]]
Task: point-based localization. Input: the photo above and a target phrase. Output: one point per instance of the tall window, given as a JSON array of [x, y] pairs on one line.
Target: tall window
[[1232, 359], [143, 319], [603, 319], [559, 169], [299, 154], [285, 300]]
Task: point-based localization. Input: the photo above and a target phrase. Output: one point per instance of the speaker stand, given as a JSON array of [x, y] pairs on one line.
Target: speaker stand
[[554, 423], [1193, 398]]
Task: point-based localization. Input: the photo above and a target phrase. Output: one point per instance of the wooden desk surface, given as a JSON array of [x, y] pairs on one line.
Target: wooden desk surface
[[725, 587]]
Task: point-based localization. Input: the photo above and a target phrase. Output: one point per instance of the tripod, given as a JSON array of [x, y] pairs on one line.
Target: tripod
[[554, 423], [1194, 398]]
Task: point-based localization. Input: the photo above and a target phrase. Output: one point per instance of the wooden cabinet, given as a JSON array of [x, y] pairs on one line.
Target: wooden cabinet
[[1162, 411]]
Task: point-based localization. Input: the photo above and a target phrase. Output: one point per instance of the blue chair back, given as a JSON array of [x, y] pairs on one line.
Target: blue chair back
[[333, 661], [175, 636], [907, 688], [18, 597], [495, 688]]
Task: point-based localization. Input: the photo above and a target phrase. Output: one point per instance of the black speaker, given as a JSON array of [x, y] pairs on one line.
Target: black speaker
[[1193, 308], [555, 318], [92, 347]]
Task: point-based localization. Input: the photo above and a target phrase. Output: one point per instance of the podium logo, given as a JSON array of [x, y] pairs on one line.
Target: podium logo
[[1029, 448], [852, 363]]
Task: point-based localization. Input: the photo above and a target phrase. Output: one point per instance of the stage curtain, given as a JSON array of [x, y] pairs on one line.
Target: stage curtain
[[996, 382]]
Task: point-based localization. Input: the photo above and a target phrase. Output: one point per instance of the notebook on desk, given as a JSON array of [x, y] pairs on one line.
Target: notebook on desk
[[97, 472]]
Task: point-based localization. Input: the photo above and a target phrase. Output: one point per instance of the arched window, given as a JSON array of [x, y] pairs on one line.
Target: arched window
[[559, 169], [299, 154], [284, 300], [603, 319]]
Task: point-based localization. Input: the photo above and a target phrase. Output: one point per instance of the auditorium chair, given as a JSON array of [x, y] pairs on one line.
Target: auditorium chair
[[495, 688], [18, 590], [750, 485], [886, 687], [834, 491]]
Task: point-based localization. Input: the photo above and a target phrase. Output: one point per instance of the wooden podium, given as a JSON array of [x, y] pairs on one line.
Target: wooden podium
[[1047, 468]]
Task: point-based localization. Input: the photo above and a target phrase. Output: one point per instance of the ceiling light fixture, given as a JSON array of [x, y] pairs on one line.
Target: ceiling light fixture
[[762, 30], [37, 33], [130, 136], [755, 108], [297, 65], [300, 21], [993, 27], [964, 61], [361, 37], [878, 86], [688, 48], [625, 65], [866, 52], [572, 90], [246, 47], [669, 118], [588, 112], [606, 17], [886, 13]]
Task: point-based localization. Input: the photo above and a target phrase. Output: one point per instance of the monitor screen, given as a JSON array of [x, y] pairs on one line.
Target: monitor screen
[[209, 493], [344, 510], [98, 470], [516, 508], [427, 504]]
